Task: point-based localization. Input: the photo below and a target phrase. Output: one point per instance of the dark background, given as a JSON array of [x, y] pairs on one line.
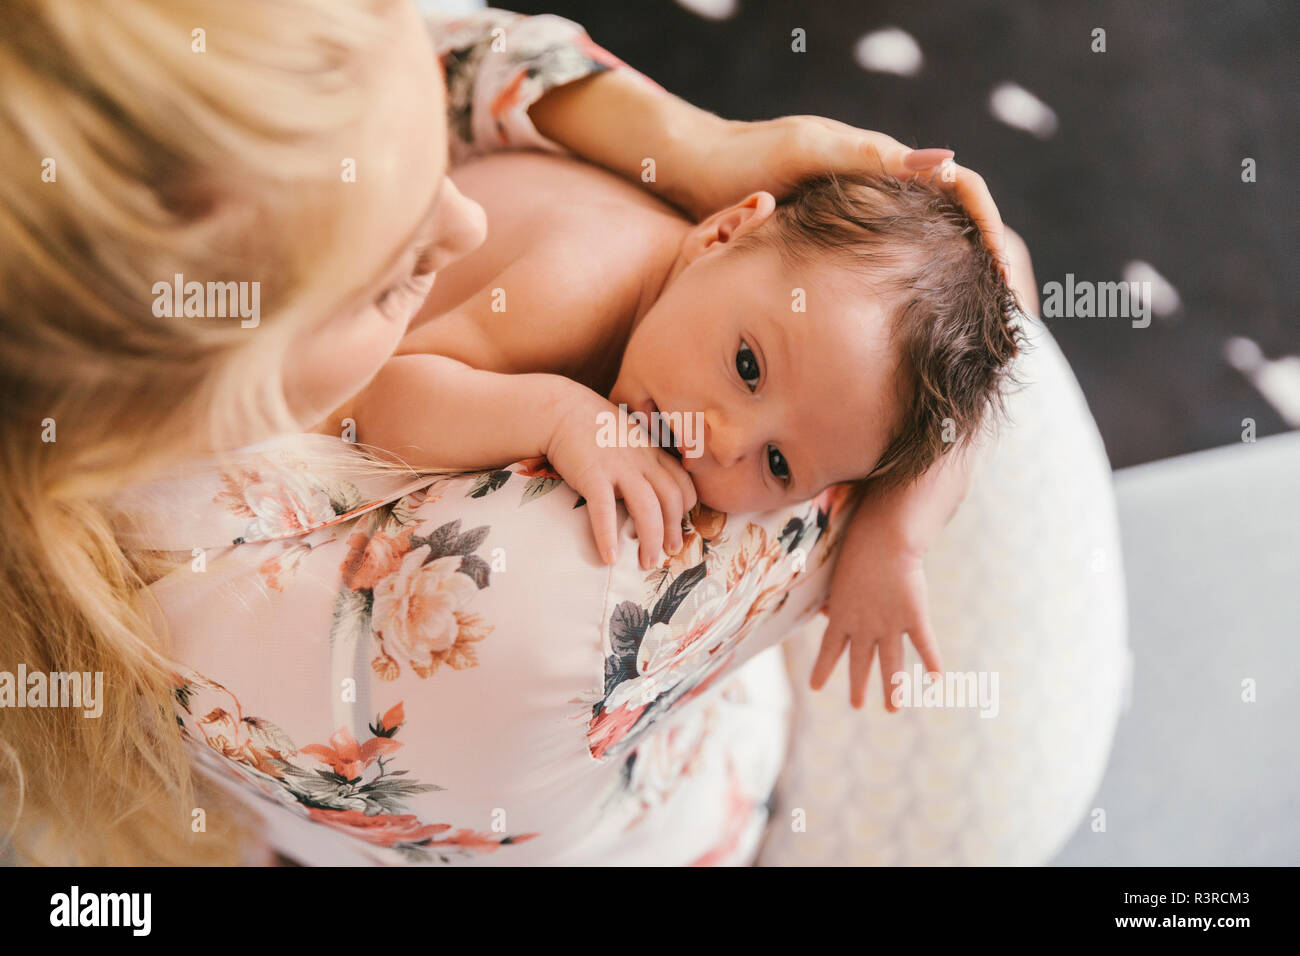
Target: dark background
[[1145, 163]]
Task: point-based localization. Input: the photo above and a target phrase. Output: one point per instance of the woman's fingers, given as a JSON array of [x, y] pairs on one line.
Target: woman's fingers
[[925, 158], [851, 148], [973, 193], [969, 189], [966, 184]]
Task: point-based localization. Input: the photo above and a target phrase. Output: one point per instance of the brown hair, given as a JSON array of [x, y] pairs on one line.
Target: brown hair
[[952, 321]]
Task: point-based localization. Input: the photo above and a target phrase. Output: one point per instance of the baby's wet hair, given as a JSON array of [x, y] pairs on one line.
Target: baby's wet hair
[[951, 319]]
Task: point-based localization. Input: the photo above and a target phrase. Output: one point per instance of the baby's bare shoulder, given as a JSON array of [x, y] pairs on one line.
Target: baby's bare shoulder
[[566, 258], [548, 184], [550, 206]]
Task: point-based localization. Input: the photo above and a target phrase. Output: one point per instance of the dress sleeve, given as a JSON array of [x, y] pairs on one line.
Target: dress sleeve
[[497, 64]]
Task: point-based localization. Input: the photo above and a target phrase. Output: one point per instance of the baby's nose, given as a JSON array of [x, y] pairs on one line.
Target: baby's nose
[[724, 441]]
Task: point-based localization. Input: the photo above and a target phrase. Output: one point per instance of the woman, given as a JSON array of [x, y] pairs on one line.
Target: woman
[[295, 150]]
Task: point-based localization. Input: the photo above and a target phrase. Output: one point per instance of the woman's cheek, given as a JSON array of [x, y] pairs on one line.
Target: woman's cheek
[[368, 351], [333, 366]]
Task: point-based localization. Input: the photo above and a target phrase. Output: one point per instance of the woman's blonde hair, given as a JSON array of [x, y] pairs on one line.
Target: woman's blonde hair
[[139, 140]]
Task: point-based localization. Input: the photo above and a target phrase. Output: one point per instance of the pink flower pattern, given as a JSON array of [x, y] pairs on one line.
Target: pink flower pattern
[[345, 785]]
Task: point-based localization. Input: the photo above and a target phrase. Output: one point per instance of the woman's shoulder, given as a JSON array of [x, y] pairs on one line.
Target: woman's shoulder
[[285, 488]]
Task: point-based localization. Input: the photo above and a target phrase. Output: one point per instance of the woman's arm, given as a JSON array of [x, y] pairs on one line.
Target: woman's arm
[[540, 82], [703, 163]]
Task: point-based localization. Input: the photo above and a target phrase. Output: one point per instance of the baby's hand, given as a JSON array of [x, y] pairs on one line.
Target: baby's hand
[[654, 486], [877, 593]]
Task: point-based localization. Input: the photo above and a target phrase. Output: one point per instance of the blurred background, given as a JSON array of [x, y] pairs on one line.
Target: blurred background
[[1130, 164]]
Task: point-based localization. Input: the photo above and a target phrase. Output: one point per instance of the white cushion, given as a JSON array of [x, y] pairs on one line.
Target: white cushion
[[1026, 582]]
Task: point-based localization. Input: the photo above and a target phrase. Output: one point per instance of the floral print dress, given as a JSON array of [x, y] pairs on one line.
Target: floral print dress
[[411, 669], [387, 668]]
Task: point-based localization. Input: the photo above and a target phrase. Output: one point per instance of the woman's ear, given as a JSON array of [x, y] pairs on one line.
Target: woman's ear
[[728, 225]]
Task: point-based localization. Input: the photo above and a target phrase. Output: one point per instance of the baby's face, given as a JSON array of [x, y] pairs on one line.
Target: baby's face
[[779, 404]]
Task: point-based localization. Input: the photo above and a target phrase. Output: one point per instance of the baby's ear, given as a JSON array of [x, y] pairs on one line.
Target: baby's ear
[[727, 225]]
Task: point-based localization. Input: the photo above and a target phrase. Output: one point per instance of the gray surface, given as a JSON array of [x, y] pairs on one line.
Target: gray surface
[[1212, 555]]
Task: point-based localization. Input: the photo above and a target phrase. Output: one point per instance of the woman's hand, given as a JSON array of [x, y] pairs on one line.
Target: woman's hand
[[740, 158], [654, 486]]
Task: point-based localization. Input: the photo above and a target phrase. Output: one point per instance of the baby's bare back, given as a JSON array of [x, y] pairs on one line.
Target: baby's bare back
[[554, 287]]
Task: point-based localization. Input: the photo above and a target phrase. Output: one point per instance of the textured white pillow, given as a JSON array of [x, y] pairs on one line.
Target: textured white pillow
[[1026, 582]]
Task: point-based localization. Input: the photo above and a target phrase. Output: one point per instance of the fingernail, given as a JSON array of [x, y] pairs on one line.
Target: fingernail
[[610, 556], [923, 158]]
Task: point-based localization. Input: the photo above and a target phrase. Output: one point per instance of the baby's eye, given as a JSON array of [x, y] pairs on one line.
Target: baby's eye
[[776, 461], [747, 365]]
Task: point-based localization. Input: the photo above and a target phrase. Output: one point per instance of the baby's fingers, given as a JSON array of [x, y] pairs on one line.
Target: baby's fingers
[[672, 498], [891, 662], [643, 505], [604, 519], [833, 641], [862, 652], [689, 496], [923, 640]]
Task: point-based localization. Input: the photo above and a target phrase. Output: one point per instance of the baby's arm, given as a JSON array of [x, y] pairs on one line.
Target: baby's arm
[[434, 412], [878, 588], [437, 412], [916, 512]]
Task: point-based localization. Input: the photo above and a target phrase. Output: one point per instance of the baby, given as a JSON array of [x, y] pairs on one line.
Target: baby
[[856, 331]]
